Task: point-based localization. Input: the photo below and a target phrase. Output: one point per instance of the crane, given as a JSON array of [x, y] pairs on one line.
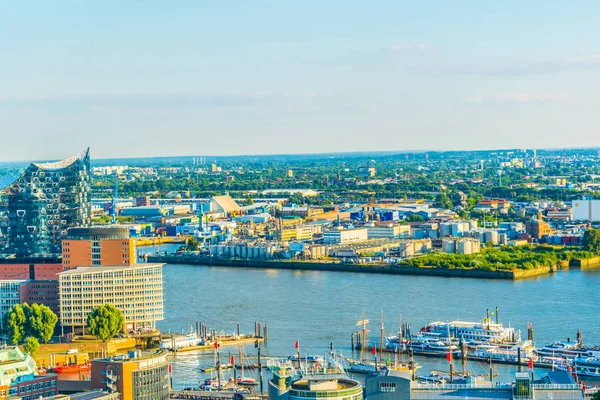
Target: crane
[[113, 207]]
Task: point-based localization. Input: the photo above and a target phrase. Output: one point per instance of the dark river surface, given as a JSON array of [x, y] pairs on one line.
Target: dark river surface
[[317, 308]]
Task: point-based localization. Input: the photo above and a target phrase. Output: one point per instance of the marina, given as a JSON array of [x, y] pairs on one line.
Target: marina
[[339, 298]]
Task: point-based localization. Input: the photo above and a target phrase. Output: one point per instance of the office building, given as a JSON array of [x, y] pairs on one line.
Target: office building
[[87, 395], [98, 246], [12, 292], [136, 290], [136, 376], [43, 202]]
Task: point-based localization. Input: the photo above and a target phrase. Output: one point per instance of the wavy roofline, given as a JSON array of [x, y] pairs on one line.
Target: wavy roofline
[[63, 163]]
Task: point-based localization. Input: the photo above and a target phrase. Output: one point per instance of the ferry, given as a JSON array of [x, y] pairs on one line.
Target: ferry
[[181, 341], [586, 366], [421, 344], [503, 353], [567, 350], [485, 331]]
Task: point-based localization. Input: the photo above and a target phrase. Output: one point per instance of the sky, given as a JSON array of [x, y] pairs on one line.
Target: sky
[[158, 78]]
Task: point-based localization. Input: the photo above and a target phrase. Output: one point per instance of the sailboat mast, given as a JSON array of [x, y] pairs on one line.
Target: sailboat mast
[[381, 336]]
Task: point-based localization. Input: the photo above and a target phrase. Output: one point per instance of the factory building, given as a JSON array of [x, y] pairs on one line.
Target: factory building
[[345, 236], [387, 231], [587, 210]]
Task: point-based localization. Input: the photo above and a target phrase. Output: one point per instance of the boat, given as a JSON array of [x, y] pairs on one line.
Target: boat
[[484, 331], [503, 352], [367, 367], [421, 344], [176, 342], [585, 366], [71, 368]]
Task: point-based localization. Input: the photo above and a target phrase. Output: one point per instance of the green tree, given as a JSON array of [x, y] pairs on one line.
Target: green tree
[[591, 240], [14, 323], [414, 218], [105, 321], [596, 396], [31, 346], [442, 201], [41, 322], [191, 243]]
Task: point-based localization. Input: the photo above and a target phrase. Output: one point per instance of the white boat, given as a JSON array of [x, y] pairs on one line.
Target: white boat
[[428, 345], [177, 342], [506, 353], [484, 331]]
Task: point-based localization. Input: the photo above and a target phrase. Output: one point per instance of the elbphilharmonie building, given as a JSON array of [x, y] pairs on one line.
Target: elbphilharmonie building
[[42, 203]]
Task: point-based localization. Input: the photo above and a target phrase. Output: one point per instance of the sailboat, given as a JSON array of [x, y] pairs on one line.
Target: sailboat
[[244, 380]]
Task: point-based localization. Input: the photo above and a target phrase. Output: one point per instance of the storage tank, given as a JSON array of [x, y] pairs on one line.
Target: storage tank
[[464, 246], [445, 229], [448, 246], [472, 224], [491, 236]]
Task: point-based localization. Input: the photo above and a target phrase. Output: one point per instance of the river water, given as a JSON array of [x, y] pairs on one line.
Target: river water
[[317, 308]]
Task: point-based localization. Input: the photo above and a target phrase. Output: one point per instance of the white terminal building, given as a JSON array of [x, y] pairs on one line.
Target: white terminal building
[[136, 290]]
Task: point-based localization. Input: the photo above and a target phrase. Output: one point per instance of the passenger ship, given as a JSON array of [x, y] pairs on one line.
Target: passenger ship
[[482, 332], [586, 366], [181, 341]]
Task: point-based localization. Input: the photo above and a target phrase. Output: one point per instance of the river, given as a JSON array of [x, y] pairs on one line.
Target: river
[[317, 308]]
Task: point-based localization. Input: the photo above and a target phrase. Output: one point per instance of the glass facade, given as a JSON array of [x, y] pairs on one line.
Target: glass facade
[[151, 383], [42, 203]]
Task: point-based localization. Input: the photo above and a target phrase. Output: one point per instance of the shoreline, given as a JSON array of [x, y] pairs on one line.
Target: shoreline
[[362, 268]]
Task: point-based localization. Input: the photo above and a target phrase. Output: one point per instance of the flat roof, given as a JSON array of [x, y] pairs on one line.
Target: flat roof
[[107, 268]]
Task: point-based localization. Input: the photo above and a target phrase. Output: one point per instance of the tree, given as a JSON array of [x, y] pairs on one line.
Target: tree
[[596, 396], [14, 323], [31, 346], [41, 322], [105, 321], [414, 218], [191, 243], [591, 240], [442, 201]]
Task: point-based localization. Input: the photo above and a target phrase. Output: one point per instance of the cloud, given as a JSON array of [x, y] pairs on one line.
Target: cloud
[[519, 98], [526, 67], [406, 48], [102, 102]]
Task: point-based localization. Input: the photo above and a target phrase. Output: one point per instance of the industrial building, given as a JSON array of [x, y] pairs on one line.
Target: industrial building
[[136, 375], [387, 231], [224, 205], [43, 202], [136, 290], [345, 236], [586, 210]]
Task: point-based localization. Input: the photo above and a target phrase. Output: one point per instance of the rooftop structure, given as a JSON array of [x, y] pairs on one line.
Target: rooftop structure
[[224, 204], [18, 376]]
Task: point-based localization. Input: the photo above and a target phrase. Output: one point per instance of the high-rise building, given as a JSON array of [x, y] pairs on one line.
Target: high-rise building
[[98, 246], [43, 202], [12, 292], [136, 376]]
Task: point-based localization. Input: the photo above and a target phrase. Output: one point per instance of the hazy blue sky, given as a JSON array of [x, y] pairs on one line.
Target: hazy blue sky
[[149, 78]]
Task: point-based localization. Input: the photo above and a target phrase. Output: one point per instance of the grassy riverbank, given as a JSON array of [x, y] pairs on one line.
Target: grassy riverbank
[[505, 258]]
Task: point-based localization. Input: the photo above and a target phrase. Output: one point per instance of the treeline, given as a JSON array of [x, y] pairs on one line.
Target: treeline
[[505, 258]]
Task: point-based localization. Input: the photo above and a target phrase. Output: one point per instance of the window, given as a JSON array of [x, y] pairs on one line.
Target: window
[[387, 387]]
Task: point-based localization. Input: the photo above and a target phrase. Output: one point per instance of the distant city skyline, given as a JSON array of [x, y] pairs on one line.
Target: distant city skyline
[[147, 79]]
